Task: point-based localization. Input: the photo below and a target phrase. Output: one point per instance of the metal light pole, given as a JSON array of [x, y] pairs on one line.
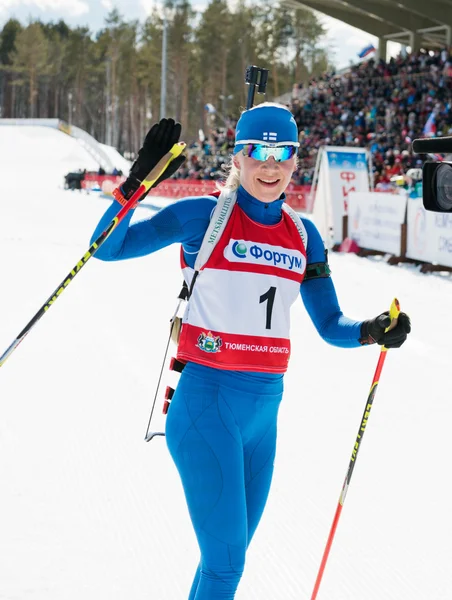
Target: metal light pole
[[108, 105], [164, 67], [69, 102]]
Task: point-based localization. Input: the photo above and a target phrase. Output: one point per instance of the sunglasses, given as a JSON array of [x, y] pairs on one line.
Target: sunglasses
[[262, 152]]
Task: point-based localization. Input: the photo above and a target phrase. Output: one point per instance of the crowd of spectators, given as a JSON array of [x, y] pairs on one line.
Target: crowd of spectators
[[207, 157], [375, 104]]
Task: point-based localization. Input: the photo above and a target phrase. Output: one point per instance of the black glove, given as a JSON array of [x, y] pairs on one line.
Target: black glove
[[373, 330], [159, 140]]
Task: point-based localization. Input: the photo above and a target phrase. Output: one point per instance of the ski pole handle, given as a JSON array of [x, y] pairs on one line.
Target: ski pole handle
[[394, 312], [146, 185], [153, 175]]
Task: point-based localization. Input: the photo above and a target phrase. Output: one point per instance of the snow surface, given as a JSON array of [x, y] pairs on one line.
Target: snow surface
[[89, 510], [116, 158]]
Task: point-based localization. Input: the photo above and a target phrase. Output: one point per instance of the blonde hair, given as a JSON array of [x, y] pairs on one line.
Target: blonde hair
[[232, 181]]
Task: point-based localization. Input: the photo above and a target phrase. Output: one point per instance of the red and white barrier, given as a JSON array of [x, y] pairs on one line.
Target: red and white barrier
[[296, 195], [106, 183]]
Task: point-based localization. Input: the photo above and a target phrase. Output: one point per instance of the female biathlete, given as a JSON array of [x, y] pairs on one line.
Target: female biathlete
[[222, 421]]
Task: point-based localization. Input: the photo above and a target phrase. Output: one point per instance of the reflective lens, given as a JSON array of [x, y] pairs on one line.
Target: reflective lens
[[261, 152], [443, 177]]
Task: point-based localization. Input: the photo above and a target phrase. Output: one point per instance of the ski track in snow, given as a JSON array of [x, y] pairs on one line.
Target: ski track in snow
[[89, 510]]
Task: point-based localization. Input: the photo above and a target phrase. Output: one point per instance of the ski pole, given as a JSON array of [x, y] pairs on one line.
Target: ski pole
[[150, 435], [145, 186], [393, 313]]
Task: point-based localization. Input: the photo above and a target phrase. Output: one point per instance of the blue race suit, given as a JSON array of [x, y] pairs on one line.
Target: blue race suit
[[221, 425]]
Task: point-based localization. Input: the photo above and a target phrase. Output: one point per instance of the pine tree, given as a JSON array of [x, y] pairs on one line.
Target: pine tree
[[29, 61]]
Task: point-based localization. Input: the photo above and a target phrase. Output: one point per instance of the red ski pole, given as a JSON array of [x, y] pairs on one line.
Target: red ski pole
[[394, 313]]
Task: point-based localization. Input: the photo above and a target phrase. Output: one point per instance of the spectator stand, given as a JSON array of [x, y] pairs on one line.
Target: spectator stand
[[380, 105]]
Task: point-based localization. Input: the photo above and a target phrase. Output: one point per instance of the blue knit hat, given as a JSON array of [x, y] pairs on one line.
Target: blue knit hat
[[268, 123]]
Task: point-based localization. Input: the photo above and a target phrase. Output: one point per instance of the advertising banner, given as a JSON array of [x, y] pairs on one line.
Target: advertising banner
[[342, 170], [375, 219], [429, 234]]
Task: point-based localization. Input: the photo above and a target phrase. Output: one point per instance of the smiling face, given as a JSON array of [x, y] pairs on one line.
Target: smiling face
[[265, 180]]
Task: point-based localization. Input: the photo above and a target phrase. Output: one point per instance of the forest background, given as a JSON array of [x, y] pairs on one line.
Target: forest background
[[109, 82]]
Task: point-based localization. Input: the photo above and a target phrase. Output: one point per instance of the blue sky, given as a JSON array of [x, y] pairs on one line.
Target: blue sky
[[345, 40]]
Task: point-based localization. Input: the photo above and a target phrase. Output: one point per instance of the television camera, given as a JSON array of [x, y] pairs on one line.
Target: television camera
[[436, 175]]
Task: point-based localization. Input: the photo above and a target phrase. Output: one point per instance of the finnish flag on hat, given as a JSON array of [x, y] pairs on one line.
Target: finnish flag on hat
[[269, 124]]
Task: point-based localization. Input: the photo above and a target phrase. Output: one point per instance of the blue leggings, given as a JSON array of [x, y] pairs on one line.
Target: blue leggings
[[221, 433]]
